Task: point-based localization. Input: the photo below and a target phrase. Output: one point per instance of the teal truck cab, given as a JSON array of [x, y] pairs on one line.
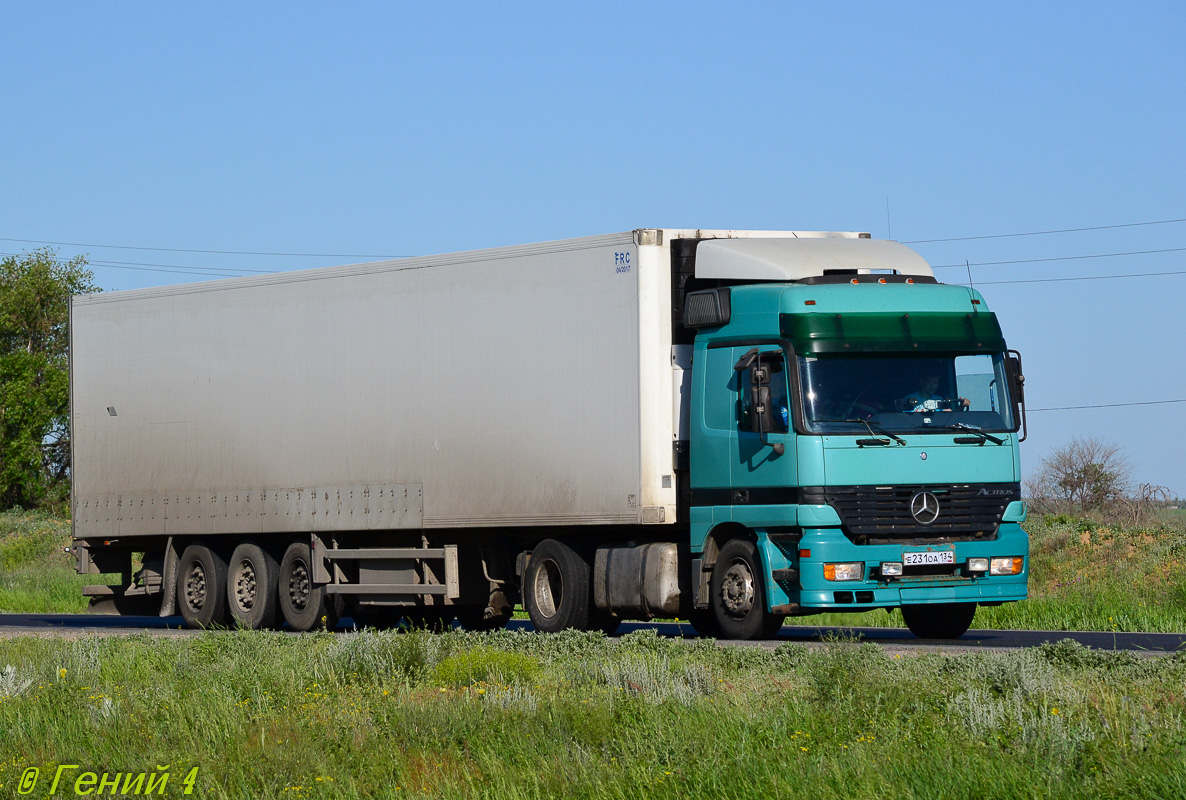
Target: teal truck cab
[[853, 445]]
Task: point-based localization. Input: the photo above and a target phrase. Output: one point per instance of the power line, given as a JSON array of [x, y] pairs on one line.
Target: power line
[[135, 264], [384, 255], [1063, 258], [189, 250], [206, 273], [1110, 405], [172, 269], [1044, 233], [1084, 278]]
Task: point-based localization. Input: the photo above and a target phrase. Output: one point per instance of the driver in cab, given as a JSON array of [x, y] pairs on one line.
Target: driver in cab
[[927, 398]]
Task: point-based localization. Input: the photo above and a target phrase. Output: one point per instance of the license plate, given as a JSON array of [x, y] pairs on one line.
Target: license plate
[[929, 557]]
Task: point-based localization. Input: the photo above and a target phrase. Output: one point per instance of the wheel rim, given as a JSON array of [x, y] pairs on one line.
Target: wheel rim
[[299, 586], [737, 590], [245, 585], [549, 588], [195, 587]]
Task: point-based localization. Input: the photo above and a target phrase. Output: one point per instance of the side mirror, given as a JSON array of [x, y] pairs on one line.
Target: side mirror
[[761, 414], [1017, 389]]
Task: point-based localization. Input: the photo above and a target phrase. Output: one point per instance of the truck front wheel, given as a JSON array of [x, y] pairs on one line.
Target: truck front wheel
[[939, 620], [305, 605], [556, 589], [201, 587], [738, 594]]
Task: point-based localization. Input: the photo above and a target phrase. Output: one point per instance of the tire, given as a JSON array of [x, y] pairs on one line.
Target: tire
[[473, 618], [556, 592], [738, 600], [201, 587], [304, 605], [252, 578], [939, 620]]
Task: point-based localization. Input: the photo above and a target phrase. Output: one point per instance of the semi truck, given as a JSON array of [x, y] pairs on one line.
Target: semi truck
[[723, 426]]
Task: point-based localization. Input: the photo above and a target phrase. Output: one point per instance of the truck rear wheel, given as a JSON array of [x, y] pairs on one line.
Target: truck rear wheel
[[305, 606], [738, 594], [201, 587], [251, 587], [939, 620], [556, 589]]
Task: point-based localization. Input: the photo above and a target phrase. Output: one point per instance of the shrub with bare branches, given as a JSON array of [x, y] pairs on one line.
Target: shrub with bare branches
[[1090, 476]]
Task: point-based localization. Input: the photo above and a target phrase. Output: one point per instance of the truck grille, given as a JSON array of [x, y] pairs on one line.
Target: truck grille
[[882, 514]]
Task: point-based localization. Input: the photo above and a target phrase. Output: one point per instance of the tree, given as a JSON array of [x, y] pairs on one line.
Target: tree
[[1084, 475], [1091, 476], [35, 291]]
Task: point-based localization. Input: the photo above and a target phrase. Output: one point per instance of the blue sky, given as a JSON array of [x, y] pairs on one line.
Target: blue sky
[[407, 129]]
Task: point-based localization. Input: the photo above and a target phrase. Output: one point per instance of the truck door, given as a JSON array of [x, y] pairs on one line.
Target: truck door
[[715, 440], [757, 468]]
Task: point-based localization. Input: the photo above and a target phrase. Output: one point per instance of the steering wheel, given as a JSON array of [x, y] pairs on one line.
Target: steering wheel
[[865, 406]]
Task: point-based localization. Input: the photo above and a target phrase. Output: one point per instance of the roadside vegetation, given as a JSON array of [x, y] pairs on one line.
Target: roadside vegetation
[[512, 714], [35, 291], [36, 574]]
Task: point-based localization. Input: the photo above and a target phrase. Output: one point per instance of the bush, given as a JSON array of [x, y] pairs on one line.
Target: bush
[[486, 665]]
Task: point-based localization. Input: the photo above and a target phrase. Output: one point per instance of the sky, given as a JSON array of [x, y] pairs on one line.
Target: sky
[[368, 130]]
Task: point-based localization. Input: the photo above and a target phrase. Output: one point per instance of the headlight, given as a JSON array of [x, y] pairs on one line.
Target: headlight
[[854, 571], [978, 565], [890, 569], [1009, 565]]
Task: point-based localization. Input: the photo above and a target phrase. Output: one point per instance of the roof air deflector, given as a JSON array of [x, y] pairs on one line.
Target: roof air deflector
[[796, 259]]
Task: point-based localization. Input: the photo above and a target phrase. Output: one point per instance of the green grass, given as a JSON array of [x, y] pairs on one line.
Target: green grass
[[36, 575], [514, 715]]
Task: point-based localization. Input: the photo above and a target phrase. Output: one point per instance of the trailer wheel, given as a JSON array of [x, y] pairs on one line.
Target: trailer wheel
[[739, 596], [940, 620], [305, 606], [556, 589], [201, 587], [251, 587]]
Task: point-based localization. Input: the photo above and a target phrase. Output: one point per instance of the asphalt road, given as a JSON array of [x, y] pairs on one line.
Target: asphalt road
[[892, 639]]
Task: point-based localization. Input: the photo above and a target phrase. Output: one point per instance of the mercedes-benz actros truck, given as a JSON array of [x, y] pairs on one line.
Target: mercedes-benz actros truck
[[729, 427]]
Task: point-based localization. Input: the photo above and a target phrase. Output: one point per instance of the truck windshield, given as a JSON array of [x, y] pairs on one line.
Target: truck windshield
[[904, 393]]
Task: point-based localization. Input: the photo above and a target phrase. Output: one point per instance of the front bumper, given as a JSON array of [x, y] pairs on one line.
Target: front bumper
[[812, 592]]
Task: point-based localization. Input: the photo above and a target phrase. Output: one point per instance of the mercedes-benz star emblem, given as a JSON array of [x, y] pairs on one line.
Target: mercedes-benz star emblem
[[924, 507]]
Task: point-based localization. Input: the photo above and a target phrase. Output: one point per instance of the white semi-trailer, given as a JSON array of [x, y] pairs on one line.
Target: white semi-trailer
[[439, 437]]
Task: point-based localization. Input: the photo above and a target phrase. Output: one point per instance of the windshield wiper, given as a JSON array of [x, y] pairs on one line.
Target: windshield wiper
[[871, 425], [963, 426]]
